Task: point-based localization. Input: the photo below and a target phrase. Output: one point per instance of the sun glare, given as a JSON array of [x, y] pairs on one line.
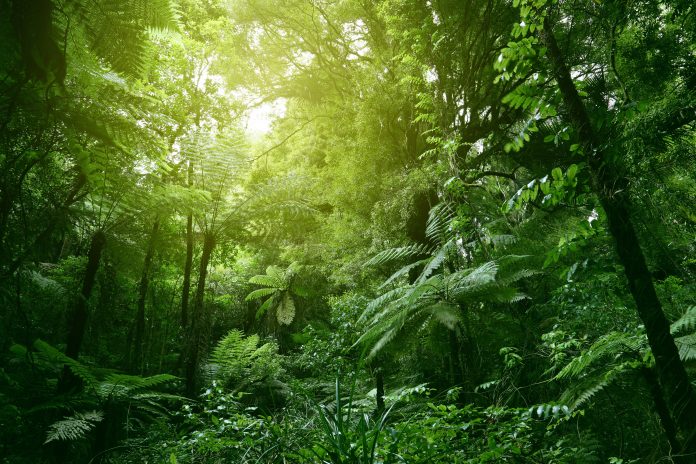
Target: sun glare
[[260, 119]]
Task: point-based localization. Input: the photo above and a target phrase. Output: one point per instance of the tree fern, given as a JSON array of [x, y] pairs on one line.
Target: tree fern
[[438, 294], [617, 354], [281, 286]]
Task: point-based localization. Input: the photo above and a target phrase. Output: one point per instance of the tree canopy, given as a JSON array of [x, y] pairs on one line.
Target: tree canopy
[[347, 232]]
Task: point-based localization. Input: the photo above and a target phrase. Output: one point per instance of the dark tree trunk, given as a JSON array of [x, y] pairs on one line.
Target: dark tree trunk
[[456, 362], [610, 190], [186, 288], [661, 408], [137, 360], [198, 318], [78, 320], [379, 395]]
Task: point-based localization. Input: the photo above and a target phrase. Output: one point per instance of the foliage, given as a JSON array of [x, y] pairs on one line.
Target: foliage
[[239, 364], [387, 231], [279, 288]]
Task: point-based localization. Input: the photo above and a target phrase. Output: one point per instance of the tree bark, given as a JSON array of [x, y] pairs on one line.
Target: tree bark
[[137, 360], [198, 317], [608, 186], [661, 408], [186, 287], [379, 394], [79, 316]]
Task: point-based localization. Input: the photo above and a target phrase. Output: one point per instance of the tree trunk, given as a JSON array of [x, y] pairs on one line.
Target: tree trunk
[[186, 288], [79, 317], [608, 186], [379, 395], [197, 316], [137, 360], [661, 408]]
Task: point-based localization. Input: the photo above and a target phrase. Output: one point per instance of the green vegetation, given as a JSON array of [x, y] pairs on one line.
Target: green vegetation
[[347, 232]]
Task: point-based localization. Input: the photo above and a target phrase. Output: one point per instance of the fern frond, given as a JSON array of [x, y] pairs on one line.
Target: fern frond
[[268, 280], [445, 313], [74, 427], [436, 261], [462, 283], [260, 293], [686, 346], [237, 358], [608, 346], [265, 306], [394, 254], [686, 322], [381, 301], [129, 384], [52, 355], [582, 392], [439, 218]]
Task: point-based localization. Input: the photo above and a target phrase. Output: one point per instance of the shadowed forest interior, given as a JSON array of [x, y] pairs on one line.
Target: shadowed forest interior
[[347, 231]]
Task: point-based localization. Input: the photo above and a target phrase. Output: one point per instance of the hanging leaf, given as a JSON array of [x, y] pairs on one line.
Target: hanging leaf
[[286, 310]]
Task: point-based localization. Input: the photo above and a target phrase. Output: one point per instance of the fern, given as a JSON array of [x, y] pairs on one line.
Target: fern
[[437, 228], [685, 323], [608, 346], [51, 355], [280, 286], [399, 253], [75, 427], [583, 391], [286, 310], [437, 294], [687, 347], [404, 271], [239, 361]]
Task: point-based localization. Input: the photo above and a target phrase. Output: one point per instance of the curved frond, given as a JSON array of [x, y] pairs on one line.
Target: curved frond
[[439, 218], [609, 346], [686, 346], [403, 271], [74, 427], [52, 355], [686, 322], [269, 281], [260, 293], [394, 254]]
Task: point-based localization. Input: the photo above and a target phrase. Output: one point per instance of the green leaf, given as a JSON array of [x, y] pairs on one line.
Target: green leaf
[[260, 293], [557, 174], [572, 170]]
